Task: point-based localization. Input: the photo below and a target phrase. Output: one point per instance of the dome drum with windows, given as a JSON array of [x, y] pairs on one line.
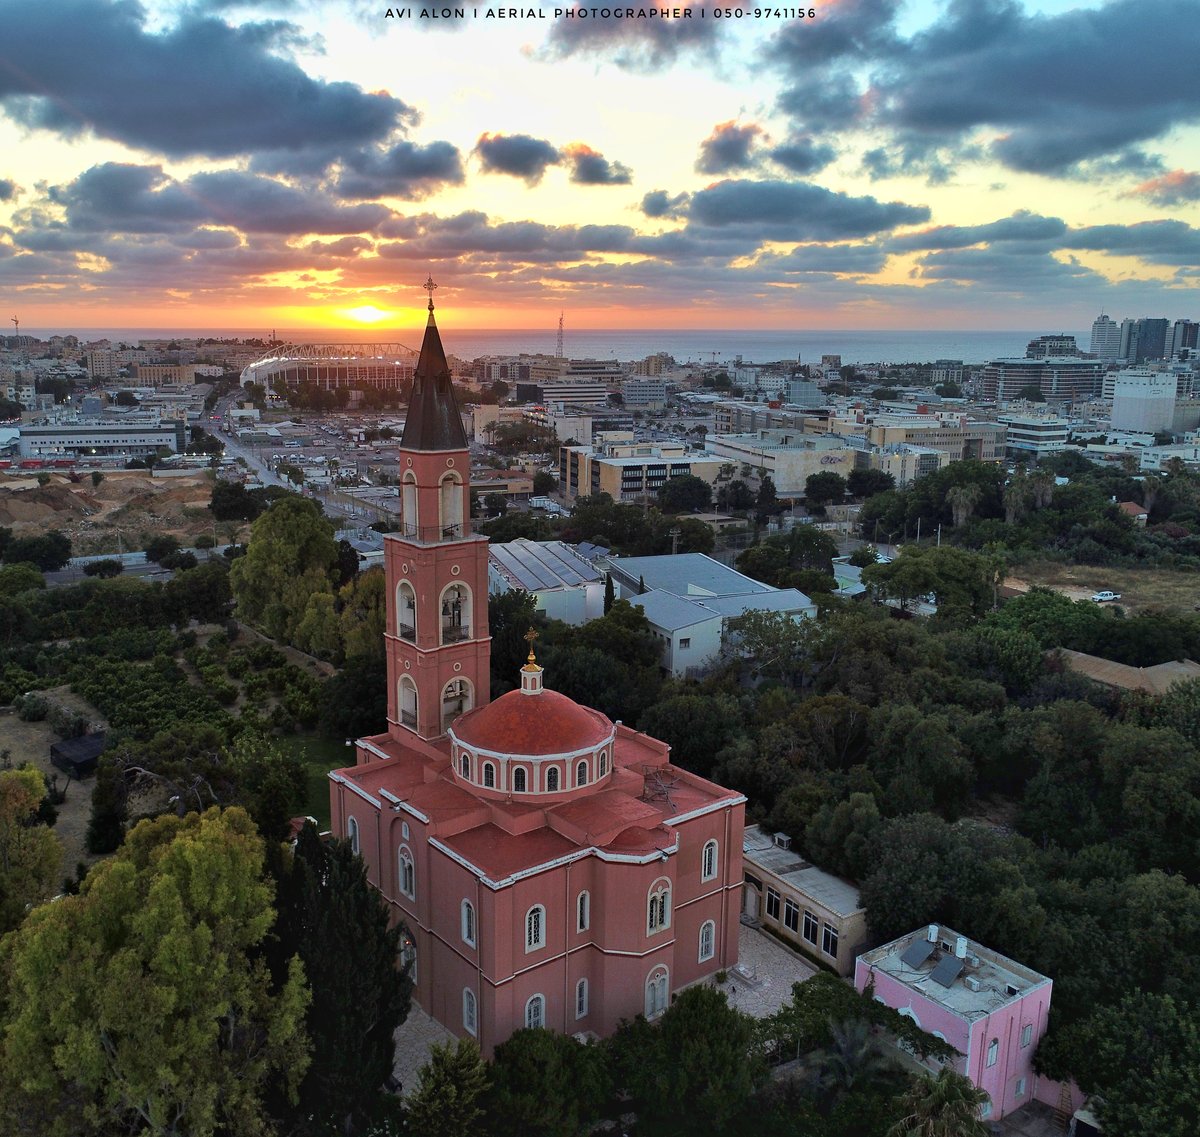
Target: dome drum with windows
[[553, 746]]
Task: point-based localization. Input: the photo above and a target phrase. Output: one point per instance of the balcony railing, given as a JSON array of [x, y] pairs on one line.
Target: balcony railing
[[408, 718], [455, 634], [406, 631], [432, 534]]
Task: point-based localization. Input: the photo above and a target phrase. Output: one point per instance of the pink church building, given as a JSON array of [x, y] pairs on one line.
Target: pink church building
[[990, 1008], [553, 868]]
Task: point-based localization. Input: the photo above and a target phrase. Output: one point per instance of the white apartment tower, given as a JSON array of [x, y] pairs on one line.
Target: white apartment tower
[[1106, 338], [1143, 400]]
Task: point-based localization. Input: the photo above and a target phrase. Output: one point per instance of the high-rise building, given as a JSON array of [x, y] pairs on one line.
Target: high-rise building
[[1143, 400], [1046, 346], [551, 868], [1183, 335], [1106, 338], [1143, 339], [1057, 378]]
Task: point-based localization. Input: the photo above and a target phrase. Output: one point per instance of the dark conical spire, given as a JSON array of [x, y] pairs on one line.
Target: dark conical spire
[[433, 421]]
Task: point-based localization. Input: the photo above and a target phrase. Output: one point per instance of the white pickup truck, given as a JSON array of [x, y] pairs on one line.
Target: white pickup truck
[[1105, 597]]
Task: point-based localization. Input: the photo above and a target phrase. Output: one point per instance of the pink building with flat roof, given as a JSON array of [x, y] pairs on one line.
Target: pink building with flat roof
[[990, 1008], [553, 868]]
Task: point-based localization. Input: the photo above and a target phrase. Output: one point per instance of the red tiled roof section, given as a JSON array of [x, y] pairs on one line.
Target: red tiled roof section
[[545, 723]]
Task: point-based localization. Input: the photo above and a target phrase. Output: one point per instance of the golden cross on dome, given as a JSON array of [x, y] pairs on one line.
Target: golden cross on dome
[[529, 637], [429, 287]]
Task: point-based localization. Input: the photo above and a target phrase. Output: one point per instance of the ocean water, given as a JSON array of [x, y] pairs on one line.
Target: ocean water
[[686, 345]]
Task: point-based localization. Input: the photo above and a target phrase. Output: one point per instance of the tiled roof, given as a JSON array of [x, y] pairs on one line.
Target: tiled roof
[[543, 723], [433, 421]]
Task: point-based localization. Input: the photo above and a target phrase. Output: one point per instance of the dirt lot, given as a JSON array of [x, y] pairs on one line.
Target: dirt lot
[[30, 742], [1140, 589], [131, 503]]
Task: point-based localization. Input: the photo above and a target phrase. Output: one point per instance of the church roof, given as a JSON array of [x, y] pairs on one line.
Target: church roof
[[433, 421], [545, 722]]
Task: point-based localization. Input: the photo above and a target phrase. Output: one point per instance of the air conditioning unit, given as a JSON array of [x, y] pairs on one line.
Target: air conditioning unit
[[972, 960], [972, 982], [783, 841]]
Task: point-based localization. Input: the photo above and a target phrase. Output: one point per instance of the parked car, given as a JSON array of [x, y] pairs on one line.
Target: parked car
[[1105, 597]]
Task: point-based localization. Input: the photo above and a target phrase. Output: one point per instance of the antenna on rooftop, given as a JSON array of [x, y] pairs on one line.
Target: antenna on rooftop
[[559, 352]]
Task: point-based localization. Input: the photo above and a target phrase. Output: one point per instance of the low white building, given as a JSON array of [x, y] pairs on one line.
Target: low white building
[[787, 456], [1030, 436], [1143, 400], [563, 584]]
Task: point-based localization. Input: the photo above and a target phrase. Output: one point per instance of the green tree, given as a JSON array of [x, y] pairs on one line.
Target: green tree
[[545, 1084], [867, 483], [159, 547], [30, 854], [163, 1020], [945, 1106], [47, 552], [544, 483], [824, 488], [838, 837], [696, 727], [685, 493], [105, 569], [231, 502], [288, 560], [97, 478], [335, 922], [609, 593], [448, 1099], [1032, 392], [18, 578]]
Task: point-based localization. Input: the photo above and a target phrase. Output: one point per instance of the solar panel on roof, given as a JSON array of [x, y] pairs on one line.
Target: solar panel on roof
[[916, 954], [947, 970]]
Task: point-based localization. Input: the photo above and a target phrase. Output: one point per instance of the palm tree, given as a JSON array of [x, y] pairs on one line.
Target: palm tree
[[962, 501], [1016, 496], [1042, 483], [945, 1106], [854, 1055]]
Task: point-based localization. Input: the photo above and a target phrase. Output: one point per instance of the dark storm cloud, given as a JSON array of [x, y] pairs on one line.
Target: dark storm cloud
[[1160, 242], [1058, 91], [1176, 188], [1018, 273], [519, 155], [142, 199], [198, 88], [803, 154], [1021, 226], [729, 148], [636, 45], [403, 170], [782, 211], [589, 168], [8, 190], [659, 203]]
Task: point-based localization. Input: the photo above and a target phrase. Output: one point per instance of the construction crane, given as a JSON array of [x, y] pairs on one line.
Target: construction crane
[[559, 353], [17, 326]]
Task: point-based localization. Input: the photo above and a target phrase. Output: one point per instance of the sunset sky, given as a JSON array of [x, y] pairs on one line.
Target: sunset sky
[[306, 163]]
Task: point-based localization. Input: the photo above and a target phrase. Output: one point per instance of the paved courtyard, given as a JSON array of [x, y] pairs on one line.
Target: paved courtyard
[[414, 1039], [766, 970]]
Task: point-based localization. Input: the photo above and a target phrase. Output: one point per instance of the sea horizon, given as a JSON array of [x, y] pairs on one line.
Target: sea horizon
[[686, 345]]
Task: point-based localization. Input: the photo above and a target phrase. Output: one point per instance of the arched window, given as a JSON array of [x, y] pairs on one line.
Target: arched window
[[406, 611], [603, 764], [656, 992], [451, 495], [581, 999], [535, 1012], [535, 928], [708, 861], [464, 765], [408, 505], [408, 874], [581, 773], [408, 702], [456, 614], [658, 907], [518, 780], [708, 940], [583, 912], [552, 780], [468, 922], [470, 1013], [457, 699], [489, 775], [352, 832]]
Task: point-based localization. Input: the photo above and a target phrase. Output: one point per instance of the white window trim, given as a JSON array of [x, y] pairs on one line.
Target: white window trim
[[711, 927], [993, 1052], [658, 899], [352, 833], [471, 1016], [583, 911], [468, 922], [541, 940], [540, 1000], [1026, 1034], [582, 999], [708, 872], [405, 854]]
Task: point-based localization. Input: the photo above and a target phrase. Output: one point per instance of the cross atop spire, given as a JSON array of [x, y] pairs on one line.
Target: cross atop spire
[[430, 287], [529, 638], [432, 422]]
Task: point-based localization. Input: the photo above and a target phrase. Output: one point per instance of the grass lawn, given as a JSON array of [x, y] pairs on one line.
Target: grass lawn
[[1140, 588], [319, 755]]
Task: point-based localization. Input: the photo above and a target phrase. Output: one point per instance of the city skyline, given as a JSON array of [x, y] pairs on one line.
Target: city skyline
[[883, 165]]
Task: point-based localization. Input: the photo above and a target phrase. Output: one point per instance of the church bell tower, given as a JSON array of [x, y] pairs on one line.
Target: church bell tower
[[438, 646]]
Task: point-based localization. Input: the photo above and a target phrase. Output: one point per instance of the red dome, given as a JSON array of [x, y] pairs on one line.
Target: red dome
[[537, 724]]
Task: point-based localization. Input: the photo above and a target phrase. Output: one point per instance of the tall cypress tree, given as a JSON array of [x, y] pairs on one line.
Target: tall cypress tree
[[331, 916], [609, 593]]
